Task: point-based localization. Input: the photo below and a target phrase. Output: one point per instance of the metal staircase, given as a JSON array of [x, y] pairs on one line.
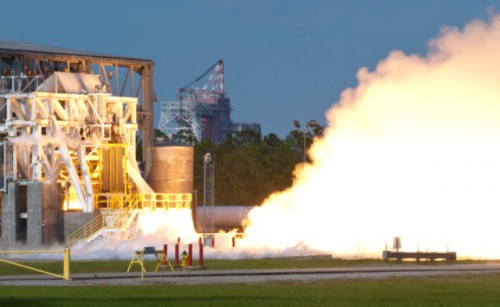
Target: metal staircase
[[118, 213]]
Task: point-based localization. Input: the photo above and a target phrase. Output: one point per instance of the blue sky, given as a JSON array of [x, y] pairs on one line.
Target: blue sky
[[284, 60]]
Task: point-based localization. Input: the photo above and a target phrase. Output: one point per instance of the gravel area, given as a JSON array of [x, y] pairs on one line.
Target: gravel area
[[279, 276]]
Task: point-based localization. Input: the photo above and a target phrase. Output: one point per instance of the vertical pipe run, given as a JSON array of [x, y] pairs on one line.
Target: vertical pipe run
[[190, 255], [205, 196], [200, 246], [176, 256], [305, 140]]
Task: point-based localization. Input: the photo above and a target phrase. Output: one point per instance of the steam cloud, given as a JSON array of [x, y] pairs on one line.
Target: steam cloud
[[412, 151]]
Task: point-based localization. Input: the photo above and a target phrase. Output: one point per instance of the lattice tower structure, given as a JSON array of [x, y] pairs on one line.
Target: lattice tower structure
[[204, 111], [179, 116]]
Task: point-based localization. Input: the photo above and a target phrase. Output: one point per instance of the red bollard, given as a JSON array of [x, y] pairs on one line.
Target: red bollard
[[200, 246], [165, 252], [234, 241], [190, 255], [176, 259], [213, 241]]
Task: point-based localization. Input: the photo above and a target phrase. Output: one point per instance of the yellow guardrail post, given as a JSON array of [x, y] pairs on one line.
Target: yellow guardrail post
[[66, 264]]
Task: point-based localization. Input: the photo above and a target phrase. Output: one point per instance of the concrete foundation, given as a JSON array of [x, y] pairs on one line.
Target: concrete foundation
[[44, 214], [12, 231], [31, 214]]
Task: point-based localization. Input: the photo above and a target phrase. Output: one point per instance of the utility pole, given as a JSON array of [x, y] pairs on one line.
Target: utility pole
[[208, 194], [310, 124]]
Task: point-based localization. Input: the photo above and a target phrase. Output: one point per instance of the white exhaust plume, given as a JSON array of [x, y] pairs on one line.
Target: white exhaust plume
[[154, 228], [413, 151]]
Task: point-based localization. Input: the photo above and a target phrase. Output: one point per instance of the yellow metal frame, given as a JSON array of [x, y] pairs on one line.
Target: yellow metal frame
[[163, 260], [95, 162], [66, 261], [138, 258], [118, 201], [114, 146]]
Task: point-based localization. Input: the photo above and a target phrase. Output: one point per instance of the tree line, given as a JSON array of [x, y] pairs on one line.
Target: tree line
[[248, 167]]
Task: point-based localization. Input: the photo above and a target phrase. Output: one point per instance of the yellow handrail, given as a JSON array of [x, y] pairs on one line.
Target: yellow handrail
[[117, 201], [123, 206], [87, 230]]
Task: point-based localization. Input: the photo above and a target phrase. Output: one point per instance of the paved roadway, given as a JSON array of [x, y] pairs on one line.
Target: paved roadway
[[253, 276]]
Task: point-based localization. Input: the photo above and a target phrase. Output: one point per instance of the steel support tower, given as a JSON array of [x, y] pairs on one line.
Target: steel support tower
[[205, 112]]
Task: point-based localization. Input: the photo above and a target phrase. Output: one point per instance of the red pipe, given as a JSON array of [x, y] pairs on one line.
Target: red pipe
[[213, 241], [176, 259], [190, 255], [165, 252], [234, 241], [200, 263]]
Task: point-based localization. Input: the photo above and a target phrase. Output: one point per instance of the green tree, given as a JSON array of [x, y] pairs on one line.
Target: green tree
[[248, 168], [157, 133], [185, 137]]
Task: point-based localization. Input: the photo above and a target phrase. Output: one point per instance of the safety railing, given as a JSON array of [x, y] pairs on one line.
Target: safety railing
[[166, 201], [124, 214], [117, 201], [19, 83], [86, 231], [118, 211], [66, 261], [114, 201]]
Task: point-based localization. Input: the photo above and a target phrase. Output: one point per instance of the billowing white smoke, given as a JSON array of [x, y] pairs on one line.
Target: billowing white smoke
[[153, 229], [412, 151], [156, 228]]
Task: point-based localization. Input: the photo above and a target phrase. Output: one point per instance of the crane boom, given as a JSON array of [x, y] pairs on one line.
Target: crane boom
[[215, 81]]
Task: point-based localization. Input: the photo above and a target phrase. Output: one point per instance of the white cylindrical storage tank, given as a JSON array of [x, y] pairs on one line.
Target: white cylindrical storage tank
[[171, 169]]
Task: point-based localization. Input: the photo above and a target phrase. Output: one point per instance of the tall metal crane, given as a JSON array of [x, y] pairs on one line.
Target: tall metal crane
[[205, 111], [215, 82]]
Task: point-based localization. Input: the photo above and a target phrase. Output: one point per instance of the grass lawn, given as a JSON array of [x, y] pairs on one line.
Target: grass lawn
[[454, 290], [214, 264], [460, 290], [239, 264]]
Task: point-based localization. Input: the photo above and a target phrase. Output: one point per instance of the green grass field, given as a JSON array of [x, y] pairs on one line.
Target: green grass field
[[215, 264], [462, 290], [455, 290]]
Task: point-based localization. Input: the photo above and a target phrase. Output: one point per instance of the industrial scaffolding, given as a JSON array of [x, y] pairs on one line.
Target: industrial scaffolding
[[179, 116], [68, 141], [205, 112]]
